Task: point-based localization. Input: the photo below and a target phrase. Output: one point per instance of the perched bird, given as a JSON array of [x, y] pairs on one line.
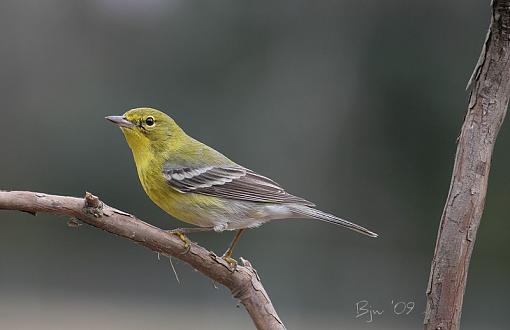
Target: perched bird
[[198, 185]]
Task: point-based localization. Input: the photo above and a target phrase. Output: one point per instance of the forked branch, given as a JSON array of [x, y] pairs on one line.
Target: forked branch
[[490, 91]]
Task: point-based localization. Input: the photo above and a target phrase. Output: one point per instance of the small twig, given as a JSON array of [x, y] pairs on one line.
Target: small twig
[[173, 268], [243, 282]]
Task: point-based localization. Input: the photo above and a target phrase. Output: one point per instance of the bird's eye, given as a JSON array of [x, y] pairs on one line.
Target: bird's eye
[[149, 121]]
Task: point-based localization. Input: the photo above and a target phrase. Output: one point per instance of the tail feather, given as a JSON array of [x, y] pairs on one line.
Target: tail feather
[[309, 212]]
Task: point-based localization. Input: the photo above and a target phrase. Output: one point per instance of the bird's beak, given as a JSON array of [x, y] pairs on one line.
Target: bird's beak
[[121, 121]]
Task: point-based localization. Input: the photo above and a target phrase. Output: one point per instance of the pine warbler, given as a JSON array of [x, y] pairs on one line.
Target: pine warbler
[[198, 185]]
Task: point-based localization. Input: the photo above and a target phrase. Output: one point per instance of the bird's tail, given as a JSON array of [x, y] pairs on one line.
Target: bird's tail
[[309, 212]]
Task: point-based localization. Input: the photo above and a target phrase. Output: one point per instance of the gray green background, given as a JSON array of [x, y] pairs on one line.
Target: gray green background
[[355, 105]]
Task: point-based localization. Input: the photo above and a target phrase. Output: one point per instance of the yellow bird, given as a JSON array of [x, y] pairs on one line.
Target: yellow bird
[[198, 185]]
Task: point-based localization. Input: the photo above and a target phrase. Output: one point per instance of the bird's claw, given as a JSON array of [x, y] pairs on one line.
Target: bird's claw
[[231, 261], [182, 237]]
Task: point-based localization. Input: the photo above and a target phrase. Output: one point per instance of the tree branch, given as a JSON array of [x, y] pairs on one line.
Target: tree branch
[[244, 282], [487, 108]]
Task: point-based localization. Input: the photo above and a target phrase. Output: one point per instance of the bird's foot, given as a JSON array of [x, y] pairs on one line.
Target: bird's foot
[[183, 238], [231, 261]]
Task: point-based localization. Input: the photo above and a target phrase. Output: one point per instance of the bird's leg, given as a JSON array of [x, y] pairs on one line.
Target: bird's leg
[[227, 256], [181, 233]]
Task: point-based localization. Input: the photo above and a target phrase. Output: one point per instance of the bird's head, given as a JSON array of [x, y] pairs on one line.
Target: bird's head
[[146, 128]]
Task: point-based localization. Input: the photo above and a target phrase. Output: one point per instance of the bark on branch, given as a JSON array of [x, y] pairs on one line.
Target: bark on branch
[[488, 102], [244, 282]]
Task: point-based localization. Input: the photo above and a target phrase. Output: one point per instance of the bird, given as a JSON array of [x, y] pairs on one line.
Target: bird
[[200, 186]]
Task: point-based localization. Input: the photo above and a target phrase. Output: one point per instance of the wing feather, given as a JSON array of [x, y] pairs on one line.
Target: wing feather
[[234, 182]]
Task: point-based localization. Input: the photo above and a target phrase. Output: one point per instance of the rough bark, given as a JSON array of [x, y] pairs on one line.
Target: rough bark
[[244, 283], [488, 102]]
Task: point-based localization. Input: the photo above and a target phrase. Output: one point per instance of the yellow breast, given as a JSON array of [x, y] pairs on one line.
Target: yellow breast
[[188, 207]]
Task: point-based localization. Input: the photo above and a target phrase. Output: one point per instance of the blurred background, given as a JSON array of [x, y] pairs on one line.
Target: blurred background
[[355, 105]]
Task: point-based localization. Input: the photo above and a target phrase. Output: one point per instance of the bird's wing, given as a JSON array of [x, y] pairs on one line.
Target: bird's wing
[[234, 182]]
